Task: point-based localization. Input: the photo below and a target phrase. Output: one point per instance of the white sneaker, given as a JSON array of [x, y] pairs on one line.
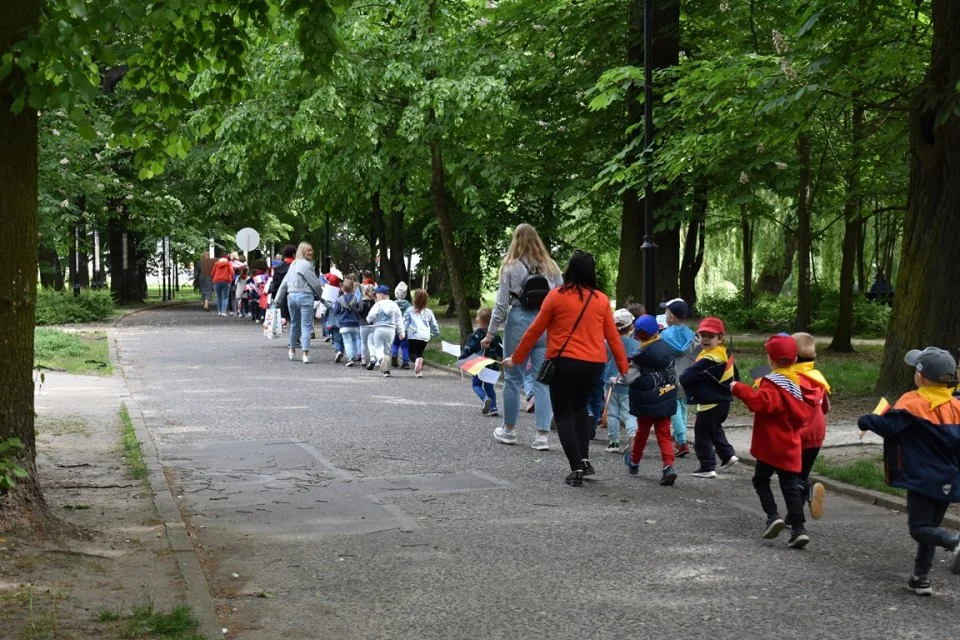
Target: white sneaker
[[306, 358], [540, 443], [291, 353], [351, 363], [506, 437], [732, 460], [338, 358], [418, 367], [613, 447], [704, 474]]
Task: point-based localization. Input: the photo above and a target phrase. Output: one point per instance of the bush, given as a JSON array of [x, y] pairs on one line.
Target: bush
[[61, 307], [53, 343]]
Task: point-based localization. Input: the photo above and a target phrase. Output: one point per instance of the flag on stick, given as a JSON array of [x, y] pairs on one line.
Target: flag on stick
[[475, 364], [449, 347], [490, 376]]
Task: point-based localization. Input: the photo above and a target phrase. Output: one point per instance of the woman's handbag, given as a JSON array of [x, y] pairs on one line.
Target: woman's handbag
[[548, 369]]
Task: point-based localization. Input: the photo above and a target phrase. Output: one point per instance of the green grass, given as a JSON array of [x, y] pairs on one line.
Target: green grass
[[74, 352], [132, 451], [178, 624], [435, 354], [868, 474]]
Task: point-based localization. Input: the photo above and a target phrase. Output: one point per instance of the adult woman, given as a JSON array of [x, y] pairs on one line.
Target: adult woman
[[577, 319], [222, 279], [525, 255], [203, 275], [300, 287]]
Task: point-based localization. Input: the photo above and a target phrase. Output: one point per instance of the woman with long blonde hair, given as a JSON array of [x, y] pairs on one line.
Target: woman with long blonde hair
[[526, 256]]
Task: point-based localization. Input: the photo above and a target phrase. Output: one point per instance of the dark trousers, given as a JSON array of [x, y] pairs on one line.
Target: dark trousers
[[572, 384], [790, 488], [808, 457], [416, 347], [595, 402], [709, 437], [485, 390], [924, 515]]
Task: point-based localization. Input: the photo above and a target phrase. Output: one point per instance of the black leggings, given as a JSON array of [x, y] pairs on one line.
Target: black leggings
[[571, 387], [416, 348]]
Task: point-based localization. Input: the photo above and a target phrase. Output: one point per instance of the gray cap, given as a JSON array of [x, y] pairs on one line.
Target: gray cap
[[933, 364]]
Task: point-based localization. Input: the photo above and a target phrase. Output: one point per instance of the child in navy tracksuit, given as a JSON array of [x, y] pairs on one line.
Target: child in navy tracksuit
[[484, 390]]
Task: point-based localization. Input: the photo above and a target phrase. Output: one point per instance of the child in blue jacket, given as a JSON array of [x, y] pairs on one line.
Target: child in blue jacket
[[921, 452], [486, 391]]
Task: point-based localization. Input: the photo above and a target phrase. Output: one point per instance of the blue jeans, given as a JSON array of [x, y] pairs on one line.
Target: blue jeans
[[679, 421], [618, 411], [485, 390], [350, 336], [595, 401], [336, 339], [518, 320], [223, 295], [401, 347], [529, 377], [300, 306]]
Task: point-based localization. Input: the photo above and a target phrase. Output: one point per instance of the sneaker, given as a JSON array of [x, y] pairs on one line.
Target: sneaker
[[338, 358], [371, 365], [575, 479], [798, 539], [955, 559], [729, 462], [531, 405], [500, 434], [920, 586], [405, 365], [325, 338], [418, 366], [493, 413], [486, 406], [306, 357], [818, 492], [588, 469], [386, 374], [351, 363], [385, 366], [774, 526], [634, 469], [291, 353], [613, 447], [540, 443], [704, 473], [682, 450], [669, 476], [394, 361]]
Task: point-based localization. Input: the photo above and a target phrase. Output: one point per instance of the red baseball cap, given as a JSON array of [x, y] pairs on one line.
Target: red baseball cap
[[332, 279], [781, 348], [712, 325]]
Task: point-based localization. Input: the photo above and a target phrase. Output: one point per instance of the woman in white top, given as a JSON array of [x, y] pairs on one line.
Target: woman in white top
[[526, 255]]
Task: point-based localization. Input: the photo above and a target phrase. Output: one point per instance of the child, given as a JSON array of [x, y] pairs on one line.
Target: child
[[653, 398], [619, 405], [707, 384], [813, 433], [782, 404], [255, 289], [345, 310], [328, 298], [401, 346], [486, 391], [921, 451], [420, 324], [680, 338], [364, 305], [386, 321], [240, 293]]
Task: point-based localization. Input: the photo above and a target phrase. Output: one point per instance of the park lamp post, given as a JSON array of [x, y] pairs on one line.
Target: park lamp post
[[649, 246]]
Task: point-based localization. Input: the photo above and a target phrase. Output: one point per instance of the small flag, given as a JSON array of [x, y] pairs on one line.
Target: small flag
[[490, 376], [475, 364], [449, 347], [882, 407]]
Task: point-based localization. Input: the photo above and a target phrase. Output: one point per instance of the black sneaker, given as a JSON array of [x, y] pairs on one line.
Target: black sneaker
[[920, 586], [338, 358], [588, 469], [405, 365], [575, 479], [774, 526], [394, 361], [669, 476], [798, 539]]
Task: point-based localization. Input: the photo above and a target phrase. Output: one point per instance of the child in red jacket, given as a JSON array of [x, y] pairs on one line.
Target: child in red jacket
[[813, 433], [782, 405]]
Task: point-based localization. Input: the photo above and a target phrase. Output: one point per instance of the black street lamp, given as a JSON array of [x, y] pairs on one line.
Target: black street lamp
[[649, 247]]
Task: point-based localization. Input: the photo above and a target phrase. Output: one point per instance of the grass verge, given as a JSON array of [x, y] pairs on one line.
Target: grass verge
[[868, 474], [144, 622], [434, 353], [132, 452], [74, 352]]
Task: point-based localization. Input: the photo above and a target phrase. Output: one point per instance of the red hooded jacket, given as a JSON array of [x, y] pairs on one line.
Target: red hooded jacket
[[781, 408]]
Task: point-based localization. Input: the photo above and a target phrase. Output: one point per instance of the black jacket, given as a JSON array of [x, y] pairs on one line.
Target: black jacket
[[279, 273], [495, 350], [701, 382], [654, 393]]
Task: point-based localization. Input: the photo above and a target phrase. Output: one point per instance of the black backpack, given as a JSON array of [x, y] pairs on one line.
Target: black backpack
[[534, 289]]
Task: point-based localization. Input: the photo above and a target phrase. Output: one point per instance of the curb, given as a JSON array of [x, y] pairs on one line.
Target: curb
[[197, 590], [159, 305], [877, 498]]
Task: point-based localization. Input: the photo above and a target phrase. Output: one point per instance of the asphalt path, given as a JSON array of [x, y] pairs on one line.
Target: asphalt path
[[330, 502]]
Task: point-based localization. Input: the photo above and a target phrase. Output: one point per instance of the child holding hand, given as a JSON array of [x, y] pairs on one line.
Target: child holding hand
[[486, 391]]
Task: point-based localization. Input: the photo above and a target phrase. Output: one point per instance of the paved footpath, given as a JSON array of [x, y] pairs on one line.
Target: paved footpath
[[350, 506]]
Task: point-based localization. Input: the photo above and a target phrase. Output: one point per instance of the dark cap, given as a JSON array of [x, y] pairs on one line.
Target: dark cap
[[382, 289], [677, 307], [933, 364]]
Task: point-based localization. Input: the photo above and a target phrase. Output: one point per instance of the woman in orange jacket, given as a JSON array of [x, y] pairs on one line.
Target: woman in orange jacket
[[222, 279]]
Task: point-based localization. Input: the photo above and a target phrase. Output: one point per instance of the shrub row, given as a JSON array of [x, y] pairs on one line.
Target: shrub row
[[62, 307]]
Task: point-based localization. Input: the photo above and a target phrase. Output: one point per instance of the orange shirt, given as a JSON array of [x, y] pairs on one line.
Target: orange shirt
[[222, 271], [557, 316]]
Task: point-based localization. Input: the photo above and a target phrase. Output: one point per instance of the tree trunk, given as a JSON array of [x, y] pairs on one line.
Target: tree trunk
[[51, 277], [802, 322], [451, 253], [926, 307], [693, 247], [852, 231], [18, 254], [376, 216], [746, 240], [861, 258], [776, 273], [399, 266]]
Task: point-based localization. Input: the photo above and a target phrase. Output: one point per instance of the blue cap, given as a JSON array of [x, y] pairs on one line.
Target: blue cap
[[384, 289], [646, 324]]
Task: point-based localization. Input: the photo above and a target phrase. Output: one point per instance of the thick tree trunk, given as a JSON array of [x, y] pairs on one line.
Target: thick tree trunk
[[451, 252], [776, 273], [746, 245], [18, 254], [803, 235], [926, 307], [51, 276], [379, 226], [398, 265], [693, 247]]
